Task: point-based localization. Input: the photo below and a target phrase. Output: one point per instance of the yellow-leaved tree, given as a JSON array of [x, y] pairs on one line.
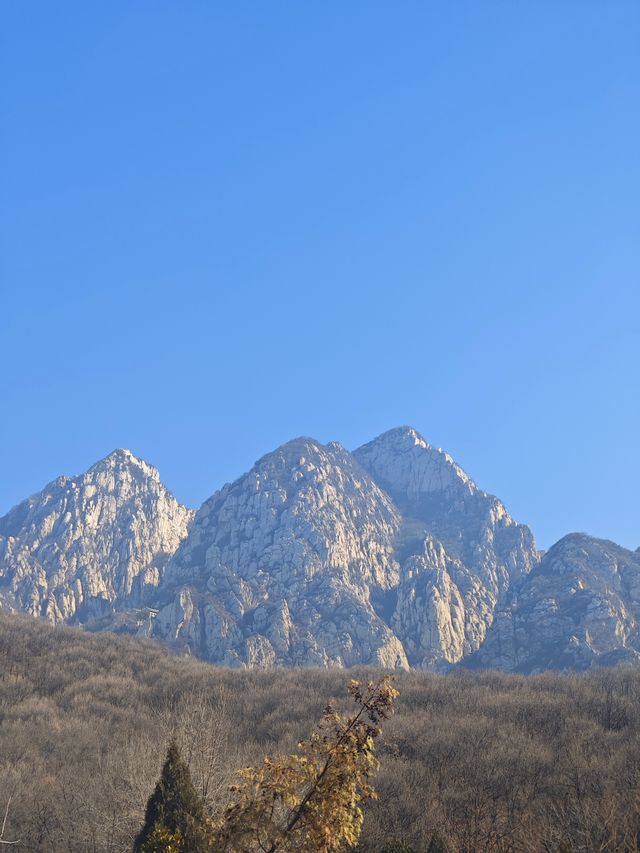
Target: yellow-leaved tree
[[310, 802]]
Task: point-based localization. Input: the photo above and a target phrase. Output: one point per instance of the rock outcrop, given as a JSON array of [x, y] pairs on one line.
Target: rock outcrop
[[578, 608], [390, 555], [87, 544], [459, 549], [288, 566]]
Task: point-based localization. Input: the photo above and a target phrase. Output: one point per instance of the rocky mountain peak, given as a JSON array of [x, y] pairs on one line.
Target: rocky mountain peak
[[121, 462], [410, 468], [321, 556], [459, 549], [390, 555], [286, 564], [581, 549], [86, 543], [303, 452], [579, 607]]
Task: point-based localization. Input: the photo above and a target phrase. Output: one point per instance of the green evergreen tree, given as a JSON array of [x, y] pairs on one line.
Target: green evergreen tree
[[436, 845], [174, 819]]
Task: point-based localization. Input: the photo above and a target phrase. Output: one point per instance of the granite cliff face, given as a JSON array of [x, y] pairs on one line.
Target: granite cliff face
[[460, 551], [578, 608], [287, 566], [87, 544], [390, 555]]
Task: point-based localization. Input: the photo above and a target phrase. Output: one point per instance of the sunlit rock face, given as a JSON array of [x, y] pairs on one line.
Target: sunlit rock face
[[459, 550], [88, 544], [578, 608], [287, 565], [390, 555]]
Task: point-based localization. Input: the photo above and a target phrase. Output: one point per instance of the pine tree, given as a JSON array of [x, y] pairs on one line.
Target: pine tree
[[436, 845], [174, 818]]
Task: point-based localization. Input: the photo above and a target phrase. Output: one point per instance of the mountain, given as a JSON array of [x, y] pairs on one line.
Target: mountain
[[578, 608], [87, 544], [288, 565], [459, 550], [390, 555]]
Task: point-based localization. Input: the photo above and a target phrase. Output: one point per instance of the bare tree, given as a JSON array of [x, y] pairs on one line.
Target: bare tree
[[3, 840], [198, 721]]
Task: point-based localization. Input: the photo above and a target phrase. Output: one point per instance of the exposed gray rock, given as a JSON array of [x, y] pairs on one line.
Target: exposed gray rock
[[579, 607], [285, 566], [459, 549], [390, 555], [88, 543]]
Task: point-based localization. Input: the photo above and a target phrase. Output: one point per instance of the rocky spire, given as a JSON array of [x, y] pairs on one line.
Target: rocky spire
[[88, 543]]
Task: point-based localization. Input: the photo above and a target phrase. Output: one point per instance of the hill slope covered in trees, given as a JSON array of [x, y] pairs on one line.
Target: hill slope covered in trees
[[481, 760]]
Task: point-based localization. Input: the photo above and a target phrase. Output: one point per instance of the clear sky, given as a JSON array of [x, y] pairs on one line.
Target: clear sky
[[224, 225]]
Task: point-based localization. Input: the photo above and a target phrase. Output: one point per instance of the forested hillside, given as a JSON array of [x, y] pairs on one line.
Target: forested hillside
[[478, 761]]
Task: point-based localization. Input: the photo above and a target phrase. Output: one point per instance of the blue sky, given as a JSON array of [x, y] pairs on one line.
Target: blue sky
[[223, 225]]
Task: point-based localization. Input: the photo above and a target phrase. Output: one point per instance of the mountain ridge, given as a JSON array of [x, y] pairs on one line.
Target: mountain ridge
[[579, 607], [389, 555]]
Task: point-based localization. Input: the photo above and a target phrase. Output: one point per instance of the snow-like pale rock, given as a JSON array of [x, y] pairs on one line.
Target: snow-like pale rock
[[87, 544], [285, 566], [390, 556], [578, 608], [459, 549]]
